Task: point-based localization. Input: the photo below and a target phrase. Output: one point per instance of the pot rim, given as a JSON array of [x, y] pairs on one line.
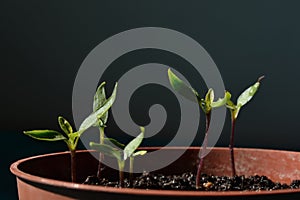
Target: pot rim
[[150, 192]]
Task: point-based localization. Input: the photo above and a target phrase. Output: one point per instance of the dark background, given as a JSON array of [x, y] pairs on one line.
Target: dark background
[[43, 43]]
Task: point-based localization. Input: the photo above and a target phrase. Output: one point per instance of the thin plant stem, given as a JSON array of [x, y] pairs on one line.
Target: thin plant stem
[[101, 156], [131, 159], [203, 150], [121, 164], [73, 165], [231, 145]]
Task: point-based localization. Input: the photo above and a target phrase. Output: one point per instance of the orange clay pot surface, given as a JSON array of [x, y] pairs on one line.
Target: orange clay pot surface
[[46, 177]]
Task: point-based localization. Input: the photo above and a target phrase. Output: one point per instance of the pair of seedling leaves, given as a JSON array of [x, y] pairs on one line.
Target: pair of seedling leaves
[[98, 118], [208, 102], [122, 152]]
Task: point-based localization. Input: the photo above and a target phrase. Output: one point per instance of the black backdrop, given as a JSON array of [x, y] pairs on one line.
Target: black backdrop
[[43, 43]]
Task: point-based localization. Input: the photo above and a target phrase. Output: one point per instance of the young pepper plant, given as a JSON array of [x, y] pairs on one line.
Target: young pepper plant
[[131, 158], [99, 101], [122, 153], [70, 137], [242, 100], [206, 104]]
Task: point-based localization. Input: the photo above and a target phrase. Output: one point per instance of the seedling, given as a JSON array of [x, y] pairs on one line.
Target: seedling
[[121, 154], [242, 100], [99, 101], [206, 104], [131, 158], [70, 137]]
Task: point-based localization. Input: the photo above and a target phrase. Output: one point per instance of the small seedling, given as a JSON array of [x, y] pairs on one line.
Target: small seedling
[[131, 158], [70, 137], [99, 101], [206, 104], [242, 100], [121, 154]]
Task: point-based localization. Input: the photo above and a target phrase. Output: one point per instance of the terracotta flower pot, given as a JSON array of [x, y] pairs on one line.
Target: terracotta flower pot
[[47, 176]]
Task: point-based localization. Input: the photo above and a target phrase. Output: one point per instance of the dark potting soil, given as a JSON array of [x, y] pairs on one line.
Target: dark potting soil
[[186, 181]]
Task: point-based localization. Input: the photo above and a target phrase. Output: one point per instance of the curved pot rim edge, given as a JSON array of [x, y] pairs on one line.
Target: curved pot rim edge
[[64, 184]]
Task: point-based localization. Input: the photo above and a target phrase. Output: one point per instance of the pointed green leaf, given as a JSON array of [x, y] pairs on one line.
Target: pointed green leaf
[[221, 101], [210, 96], [115, 142], [99, 101], [139, 153], [99, 97], [107, 150], [134, 144], [65, 125], [247, 95], [47, 135], [205, 103], [183, 89], [92, 119]]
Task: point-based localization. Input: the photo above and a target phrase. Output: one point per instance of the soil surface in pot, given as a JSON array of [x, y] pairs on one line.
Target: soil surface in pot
[[186, 181]]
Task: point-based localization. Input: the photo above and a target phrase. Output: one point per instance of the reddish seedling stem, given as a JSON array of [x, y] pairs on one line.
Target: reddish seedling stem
[[121, 178], [231, 146], [73, 165], [202, 152]]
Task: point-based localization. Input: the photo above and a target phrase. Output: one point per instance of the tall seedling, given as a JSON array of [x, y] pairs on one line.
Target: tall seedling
[[206, 104], [242, 100], [99, 101]]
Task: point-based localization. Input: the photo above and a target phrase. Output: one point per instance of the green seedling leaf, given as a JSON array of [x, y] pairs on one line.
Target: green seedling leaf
[[107, 150], [221, 101], [183, 89], [134, 144], [46, 135], [93, 118], [65, 125], [139, 153], [99, 101], [99, 97], [205, 103], [247, 95], [243, 99], [210, 96], [115, 142]]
